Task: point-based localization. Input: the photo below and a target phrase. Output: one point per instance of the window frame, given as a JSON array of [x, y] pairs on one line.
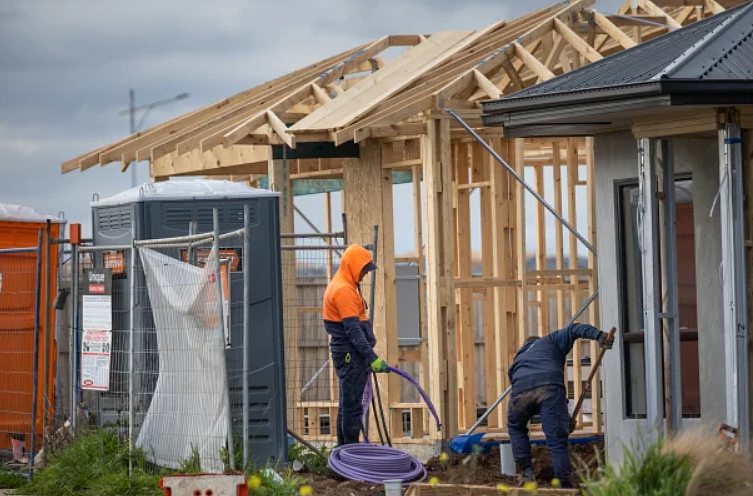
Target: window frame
[[622, 294]]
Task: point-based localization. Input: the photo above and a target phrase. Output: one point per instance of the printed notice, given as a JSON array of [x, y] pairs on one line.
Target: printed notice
[[96, 321], [95, 360]]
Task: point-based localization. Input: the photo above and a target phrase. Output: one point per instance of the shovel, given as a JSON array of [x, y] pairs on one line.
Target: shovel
[[464, 443], [594, 369]]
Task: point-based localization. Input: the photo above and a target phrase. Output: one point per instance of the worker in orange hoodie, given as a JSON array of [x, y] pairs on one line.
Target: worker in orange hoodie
[[352, 340]]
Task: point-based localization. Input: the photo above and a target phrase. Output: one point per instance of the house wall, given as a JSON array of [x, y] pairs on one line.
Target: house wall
[[616, 159]]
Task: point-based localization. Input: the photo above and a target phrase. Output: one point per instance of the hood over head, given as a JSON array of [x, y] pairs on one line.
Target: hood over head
[[354, 260]]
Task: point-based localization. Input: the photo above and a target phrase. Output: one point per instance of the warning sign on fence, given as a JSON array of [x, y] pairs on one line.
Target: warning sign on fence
[[96, 343]]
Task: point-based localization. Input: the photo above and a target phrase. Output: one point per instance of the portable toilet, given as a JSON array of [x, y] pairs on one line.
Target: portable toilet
[[19, 238], [165, 210]]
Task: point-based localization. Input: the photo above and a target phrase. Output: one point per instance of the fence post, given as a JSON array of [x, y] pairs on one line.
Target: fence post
[[131, 325], [35, 372], [45, 376], [246, 327], [218, 277], [74, 338]]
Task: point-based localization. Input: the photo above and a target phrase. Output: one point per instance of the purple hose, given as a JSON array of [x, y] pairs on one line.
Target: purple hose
[[420, 391], [375, 464], [367, 394]]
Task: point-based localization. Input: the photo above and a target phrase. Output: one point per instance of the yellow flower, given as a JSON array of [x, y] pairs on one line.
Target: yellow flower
[[556, 482], [254, 482], [305, 490], [503, 488], [444, 457], [531, 487], [433, 481]]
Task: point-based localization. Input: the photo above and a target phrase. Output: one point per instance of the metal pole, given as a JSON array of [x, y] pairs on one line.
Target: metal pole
[[246, 325], [522, 182], [47, 307], [132, 326], [674, 415], [220, 313], [650, 261], [35, 372], [74, 337]]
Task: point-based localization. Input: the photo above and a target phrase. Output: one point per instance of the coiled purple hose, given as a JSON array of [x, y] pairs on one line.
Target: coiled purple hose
[[375, 464], [421, 391]]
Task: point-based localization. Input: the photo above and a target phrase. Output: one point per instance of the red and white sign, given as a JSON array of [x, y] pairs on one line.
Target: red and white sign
[[96, 343]]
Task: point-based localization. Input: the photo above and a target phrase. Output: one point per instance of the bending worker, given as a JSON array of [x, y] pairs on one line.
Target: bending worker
[[352, 340], [538, 388]]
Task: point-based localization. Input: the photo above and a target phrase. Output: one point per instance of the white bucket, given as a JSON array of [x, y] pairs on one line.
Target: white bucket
[[506, 460], [393, 487]]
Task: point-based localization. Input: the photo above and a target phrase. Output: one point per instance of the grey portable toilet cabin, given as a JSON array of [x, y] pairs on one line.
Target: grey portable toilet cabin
[[167, 209]]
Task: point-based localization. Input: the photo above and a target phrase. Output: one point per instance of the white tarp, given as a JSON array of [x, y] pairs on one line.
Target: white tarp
[[19, 213], [189, 408]]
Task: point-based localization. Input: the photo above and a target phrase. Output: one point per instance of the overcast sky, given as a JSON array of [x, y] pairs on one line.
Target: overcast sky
[[67, 67]]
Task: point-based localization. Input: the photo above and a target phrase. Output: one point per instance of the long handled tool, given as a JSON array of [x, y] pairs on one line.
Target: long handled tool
[[594, 369], [464, 443]]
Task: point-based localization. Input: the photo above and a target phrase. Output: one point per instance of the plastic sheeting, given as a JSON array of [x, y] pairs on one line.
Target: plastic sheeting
[[10, 212], [189, 409]]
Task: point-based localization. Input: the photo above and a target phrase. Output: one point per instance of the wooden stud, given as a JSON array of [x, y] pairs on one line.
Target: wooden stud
[[558, 230], [652, 9], [593, 281], [464, 261], [521, 252], [541, 255], [279, 180], [439, 284], [572, 217]]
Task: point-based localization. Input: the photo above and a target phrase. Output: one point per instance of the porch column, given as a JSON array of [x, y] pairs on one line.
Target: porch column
[[734, 278], [649, 244]]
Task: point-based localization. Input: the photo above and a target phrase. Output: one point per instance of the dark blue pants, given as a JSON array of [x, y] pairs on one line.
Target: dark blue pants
[[551, 403], [352, 372]]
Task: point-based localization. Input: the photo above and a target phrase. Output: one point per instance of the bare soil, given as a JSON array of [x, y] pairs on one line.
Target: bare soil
[[483, 469]]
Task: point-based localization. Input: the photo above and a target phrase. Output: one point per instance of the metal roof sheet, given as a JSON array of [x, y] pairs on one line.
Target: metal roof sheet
[[719, 47]]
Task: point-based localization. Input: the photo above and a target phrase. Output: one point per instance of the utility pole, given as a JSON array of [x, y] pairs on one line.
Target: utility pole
[[132, 109]]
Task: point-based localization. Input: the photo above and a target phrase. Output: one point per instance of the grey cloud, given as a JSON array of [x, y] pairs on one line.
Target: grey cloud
[[67, 66]]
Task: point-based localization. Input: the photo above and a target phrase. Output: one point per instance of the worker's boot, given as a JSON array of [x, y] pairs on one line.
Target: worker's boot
[[528, 475]]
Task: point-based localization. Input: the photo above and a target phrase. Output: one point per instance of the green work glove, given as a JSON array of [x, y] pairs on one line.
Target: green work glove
[[379, 366]]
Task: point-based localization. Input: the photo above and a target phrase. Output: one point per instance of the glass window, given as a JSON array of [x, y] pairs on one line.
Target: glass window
[[632, 299]]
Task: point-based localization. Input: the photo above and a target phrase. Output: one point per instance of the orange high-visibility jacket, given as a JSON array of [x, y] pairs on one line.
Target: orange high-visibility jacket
[[344, 308]]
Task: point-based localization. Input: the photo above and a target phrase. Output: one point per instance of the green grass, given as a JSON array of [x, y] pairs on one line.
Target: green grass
[[656, 473], [11, 480], [96, 464]]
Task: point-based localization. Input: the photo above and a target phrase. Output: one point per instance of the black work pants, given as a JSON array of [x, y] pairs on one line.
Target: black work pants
[[352, 372], [551, 403]]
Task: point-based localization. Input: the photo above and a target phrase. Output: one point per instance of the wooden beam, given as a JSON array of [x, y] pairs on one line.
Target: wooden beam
[[280, 128], [320, 95], [553, 57], [405, 40], [652, 9], [533, 63], [612, 30], [520, 241], [440, 288], [576, 41], [463, 269], [572, 217], [512, 73], [487, 86], [714, 7], [593, 280], [541, 254]]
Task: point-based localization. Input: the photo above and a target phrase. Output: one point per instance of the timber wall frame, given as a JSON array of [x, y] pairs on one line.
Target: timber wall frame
[[394, 111]]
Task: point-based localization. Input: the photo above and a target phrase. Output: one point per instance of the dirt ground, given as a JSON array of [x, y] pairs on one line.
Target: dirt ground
[[467, 469], [485, 469]]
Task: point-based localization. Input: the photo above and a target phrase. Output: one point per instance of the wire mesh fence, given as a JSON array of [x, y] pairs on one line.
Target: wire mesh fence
[[21, 401]]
